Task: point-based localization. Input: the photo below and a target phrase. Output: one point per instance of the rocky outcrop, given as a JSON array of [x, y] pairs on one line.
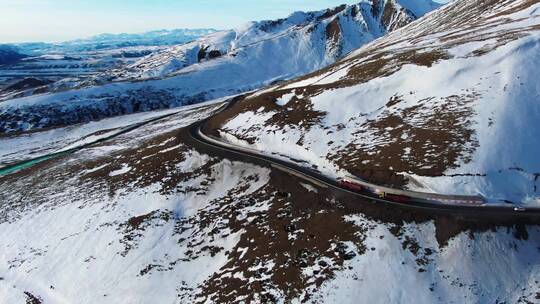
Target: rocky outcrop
[[205, 53]]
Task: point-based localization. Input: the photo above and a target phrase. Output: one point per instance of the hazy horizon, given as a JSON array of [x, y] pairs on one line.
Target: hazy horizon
[[63, 20]]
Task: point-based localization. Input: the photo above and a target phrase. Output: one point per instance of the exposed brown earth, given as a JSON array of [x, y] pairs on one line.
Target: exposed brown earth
[[285, 229], [419, 130], [205, 53], [437, 142], [299, 112], [333, 32]]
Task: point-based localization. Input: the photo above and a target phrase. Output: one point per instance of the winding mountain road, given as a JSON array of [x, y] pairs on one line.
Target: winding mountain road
[[500, 210], [424, 201]]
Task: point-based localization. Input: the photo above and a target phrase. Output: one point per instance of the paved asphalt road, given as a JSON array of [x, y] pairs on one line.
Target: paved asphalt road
[[315, 177]]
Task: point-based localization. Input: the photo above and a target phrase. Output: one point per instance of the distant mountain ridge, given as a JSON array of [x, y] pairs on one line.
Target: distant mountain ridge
[[220, 64], [322, 37], [107, 41], [77, 60]]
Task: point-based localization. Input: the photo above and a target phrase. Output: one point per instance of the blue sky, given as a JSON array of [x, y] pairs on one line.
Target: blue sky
[[57, 20]]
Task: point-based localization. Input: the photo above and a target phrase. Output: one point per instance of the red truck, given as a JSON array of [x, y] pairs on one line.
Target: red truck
[[352, 186]]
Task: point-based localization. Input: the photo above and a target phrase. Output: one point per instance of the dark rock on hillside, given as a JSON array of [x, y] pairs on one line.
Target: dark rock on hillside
[[25, 84], [205, 54], [9, 55]]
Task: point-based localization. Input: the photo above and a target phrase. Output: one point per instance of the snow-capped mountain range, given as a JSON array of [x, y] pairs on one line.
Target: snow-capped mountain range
[[221, 64], [294, 45]]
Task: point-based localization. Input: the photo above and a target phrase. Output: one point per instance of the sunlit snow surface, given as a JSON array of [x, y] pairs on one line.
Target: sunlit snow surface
[[68, 246], [220, 64], [487, 92], [146, 218], [181, 226]]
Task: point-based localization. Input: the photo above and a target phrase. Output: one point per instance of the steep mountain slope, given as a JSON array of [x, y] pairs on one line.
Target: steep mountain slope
[[299, 43], [448, 104], [152, 217], [221, 64]]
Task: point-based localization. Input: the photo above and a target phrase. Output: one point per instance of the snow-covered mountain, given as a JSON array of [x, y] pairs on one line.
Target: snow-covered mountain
[[221, 64], [448, 104], [153, 216], [294, 45]]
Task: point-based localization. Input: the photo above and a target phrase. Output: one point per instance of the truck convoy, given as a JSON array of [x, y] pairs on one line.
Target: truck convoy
[[403, 196]]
